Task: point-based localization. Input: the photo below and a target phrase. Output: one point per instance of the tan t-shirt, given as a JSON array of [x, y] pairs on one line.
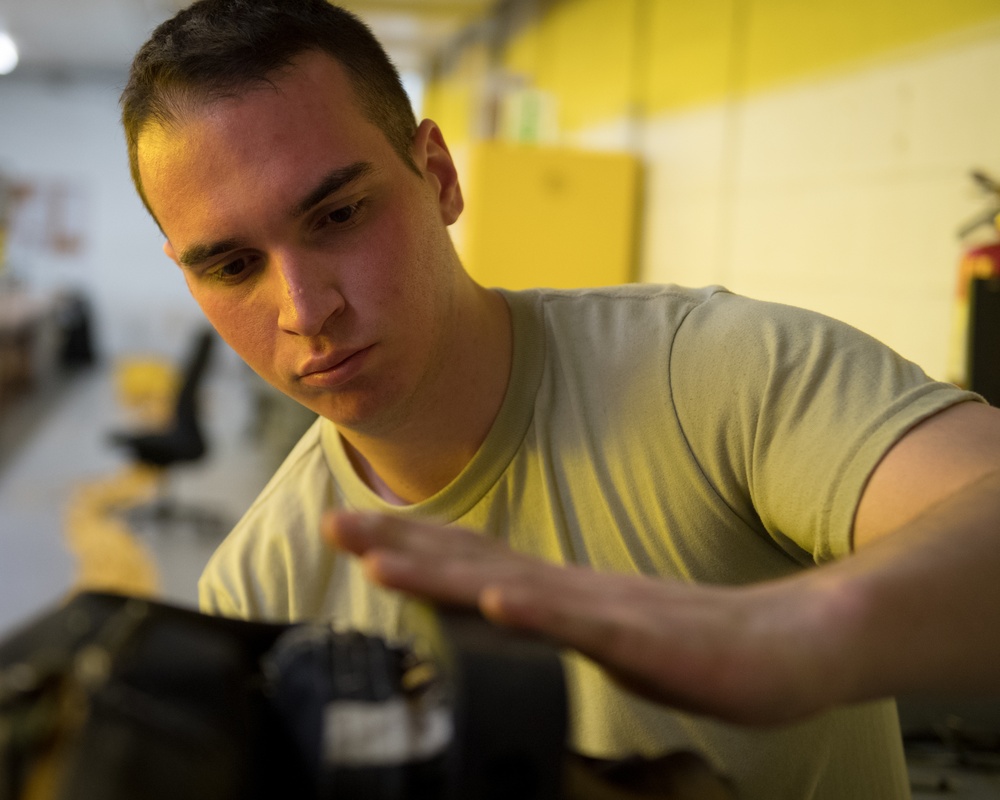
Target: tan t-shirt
[[689, 434]]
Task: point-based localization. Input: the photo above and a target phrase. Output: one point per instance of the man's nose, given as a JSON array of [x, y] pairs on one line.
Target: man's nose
[[308, 296]]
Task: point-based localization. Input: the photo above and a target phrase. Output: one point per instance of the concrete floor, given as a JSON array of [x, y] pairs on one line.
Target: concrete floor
[[67, 449]]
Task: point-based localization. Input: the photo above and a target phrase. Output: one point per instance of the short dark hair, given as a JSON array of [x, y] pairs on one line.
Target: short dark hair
[[218, 48]]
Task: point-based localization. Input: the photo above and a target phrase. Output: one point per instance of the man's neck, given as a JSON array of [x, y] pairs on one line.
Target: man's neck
[[433, 445]]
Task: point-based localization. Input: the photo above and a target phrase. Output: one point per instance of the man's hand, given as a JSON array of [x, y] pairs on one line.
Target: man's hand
[[744, 654]]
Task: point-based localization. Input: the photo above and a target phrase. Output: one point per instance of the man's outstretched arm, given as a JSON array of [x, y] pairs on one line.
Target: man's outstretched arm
[[914, 609]]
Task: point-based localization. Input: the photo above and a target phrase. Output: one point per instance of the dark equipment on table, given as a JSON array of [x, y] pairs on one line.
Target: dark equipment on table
[[116, 698], [983, 351]]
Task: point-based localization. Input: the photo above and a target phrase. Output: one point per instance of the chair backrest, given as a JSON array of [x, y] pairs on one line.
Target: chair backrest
[[185, 411]]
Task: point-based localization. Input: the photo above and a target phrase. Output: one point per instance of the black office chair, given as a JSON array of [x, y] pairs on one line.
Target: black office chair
[[182, 441]]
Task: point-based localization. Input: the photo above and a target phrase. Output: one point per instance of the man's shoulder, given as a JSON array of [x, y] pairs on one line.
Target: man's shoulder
[[609, 313], [300, 484], [304, 464], [665, 295], [279, 530]]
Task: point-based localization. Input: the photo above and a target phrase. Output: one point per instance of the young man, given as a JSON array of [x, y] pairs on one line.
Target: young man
[[746, 512]]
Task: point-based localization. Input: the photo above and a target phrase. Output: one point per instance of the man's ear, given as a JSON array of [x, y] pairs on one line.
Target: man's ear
[[432, 157], [169, 251]]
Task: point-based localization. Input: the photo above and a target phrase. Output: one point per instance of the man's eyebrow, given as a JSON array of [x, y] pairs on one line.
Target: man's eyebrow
[[202, 252], [332, 183]]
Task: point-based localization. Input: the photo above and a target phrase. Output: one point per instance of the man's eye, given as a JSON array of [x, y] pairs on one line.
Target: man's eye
[[231, 270], [345, 214]]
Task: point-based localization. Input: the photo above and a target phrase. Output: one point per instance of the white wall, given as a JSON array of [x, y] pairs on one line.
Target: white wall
[[842, 194], [70, 131]]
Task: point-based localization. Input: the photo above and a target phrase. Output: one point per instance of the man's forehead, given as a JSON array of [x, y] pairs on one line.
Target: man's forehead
[[312, 81]]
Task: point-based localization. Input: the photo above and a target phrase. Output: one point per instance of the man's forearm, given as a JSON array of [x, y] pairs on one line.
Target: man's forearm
[[921, 605]]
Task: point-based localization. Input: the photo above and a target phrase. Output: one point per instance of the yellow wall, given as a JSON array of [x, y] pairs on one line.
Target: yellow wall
[[787, 39], [454, 99], [449, 104], [586, 59], [690, 57], [606, 59]]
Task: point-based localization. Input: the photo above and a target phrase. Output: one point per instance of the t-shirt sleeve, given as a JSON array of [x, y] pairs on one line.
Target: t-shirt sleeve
[[213, 598], [788, 412], [274, 565], [246, 577]]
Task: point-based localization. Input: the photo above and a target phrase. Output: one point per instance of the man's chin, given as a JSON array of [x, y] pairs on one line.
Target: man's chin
[[361, 415]]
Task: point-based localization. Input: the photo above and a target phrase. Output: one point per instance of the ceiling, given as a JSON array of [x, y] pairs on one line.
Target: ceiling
[[70, 38]]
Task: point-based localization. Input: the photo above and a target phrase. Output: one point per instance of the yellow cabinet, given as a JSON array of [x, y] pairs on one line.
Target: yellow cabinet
[[545, 216]]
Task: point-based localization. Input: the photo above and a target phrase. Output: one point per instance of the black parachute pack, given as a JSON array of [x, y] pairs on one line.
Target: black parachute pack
[[111, 697]]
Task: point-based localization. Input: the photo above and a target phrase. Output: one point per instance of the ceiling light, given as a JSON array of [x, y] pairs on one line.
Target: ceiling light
[[8, 53]]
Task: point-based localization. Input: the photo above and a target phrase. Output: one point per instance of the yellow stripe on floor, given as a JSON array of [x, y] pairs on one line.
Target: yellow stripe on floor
[[110, 558]]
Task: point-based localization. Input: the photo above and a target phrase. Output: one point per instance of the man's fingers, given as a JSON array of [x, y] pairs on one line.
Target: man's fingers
[[416, 575], [438, 563], [575, 606], [456, 566], [514, 606], [359, 533]]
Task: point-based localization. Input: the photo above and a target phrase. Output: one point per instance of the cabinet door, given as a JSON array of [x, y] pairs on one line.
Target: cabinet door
[[542, 216]]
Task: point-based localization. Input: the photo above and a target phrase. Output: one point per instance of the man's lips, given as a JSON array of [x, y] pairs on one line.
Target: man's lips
[[326, 363], [333, 367]]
